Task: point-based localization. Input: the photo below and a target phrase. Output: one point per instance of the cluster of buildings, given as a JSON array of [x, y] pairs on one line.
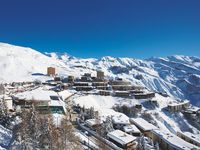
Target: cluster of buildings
[[166, 140], [11, 89], [178, 106], [192, 113], [189, 137], [189, 111], [122, 139], [46, 101], [100, 85], [16, 87], [126, 133]]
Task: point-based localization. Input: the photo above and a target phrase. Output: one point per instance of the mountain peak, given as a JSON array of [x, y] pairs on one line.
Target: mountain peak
[[174, 75], [58, 55]]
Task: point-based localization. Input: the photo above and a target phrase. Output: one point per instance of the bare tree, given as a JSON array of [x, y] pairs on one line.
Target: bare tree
[[32, 131], [101, 132], [127, 110], [92, 113], [61, 137], [23, 132], [39, 131], [148, 117], [102, 129]]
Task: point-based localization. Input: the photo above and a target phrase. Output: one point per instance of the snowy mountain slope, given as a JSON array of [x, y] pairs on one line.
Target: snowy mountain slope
[[22, 64], [166, 121], [183, 72], [178, 76], [19, 63]]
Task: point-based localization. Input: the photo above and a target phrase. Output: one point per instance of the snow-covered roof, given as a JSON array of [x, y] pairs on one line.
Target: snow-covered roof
[[100, 82], [193, 109], [143, 124], [9, 87], [174, 140], [131, 128], [122, 85], [83, 86], [121, 137], [196, 138], [65, 94], [96, 101], [6, 97], [144, 94], [56, 103], [176, 103], [92, 122], [120, 119], [126, 92], [37, 94]]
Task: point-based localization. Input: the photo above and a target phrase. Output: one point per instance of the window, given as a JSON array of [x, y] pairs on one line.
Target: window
[[57, 109]]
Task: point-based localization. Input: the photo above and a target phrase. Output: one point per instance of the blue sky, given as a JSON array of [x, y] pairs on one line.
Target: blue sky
[[95, 28]]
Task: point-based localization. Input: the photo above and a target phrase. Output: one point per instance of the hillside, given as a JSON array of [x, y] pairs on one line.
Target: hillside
[[178, 76]]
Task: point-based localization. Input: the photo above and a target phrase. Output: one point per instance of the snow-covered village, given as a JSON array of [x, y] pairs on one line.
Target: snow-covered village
[[70, 104], [99, 75]]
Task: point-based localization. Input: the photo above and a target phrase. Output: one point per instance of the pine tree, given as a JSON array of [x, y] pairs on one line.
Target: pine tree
[[24, 132], [2, 89], [4, 116]]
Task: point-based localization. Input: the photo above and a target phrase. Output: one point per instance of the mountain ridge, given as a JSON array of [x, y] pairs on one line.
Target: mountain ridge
[[175, 75]]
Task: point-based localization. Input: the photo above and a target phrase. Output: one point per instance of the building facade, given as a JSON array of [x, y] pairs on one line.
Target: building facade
[[51, 71]]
